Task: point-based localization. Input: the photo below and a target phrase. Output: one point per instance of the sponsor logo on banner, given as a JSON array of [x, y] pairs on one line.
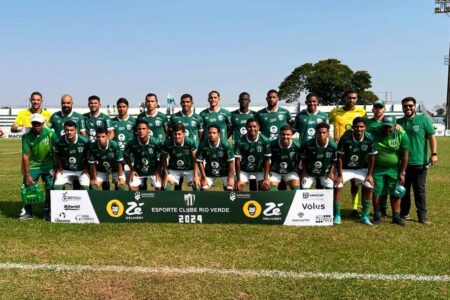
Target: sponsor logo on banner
[[313, 195], [311, 208], [66, 197], [189, 199], [72, 207], [232, 196], [115, 208], [84, 218], [272, 211], [134, 210], [252, 209]]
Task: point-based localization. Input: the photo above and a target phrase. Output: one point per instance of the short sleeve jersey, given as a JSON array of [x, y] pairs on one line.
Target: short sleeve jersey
[[222, 118], [355, 152], [107, 158], [318, 159], [284, 158], [145, 155], [92, 123], [342, 119], [39, 148], [73, 155], [390, 147], [180, 156], [272, 121], [372, 124], [123, 130], [157, 124], [239, 121], [252, 153], [193, 124], [418, 128], [58, 119], [23, 117], [216, 158], [305, 123]]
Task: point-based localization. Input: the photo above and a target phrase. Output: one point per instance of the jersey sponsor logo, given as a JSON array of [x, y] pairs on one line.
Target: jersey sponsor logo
[[283, 165], [311, 131], [121, 137], [115, 208], [251, 158], [214, 164], [318, 164], [106, 165], [72, 160], [273, 129], [354, 158], [243, 130], [252, 209], [180, 163]]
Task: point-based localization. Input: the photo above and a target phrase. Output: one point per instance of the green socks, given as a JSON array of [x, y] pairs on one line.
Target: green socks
[[337, 208], [366, 204]]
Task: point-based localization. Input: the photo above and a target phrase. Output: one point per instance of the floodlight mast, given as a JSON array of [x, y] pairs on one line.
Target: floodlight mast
[[443, 7]]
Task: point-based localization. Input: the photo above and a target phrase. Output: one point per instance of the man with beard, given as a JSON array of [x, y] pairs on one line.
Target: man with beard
[[23, 118], [216, 115], [157, 121], [66, 113], [96, 119], [273, 117], [192, 122]]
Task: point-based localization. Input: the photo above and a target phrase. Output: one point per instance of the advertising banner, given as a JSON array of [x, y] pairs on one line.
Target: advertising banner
[[300, 208]]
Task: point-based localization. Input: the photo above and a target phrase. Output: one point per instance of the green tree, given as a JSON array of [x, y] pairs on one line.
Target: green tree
[[328, 78]]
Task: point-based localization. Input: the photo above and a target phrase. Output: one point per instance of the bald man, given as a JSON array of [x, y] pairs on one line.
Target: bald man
[[58, 119]]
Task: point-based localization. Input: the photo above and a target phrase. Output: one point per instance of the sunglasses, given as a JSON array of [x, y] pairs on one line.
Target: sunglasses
[[408, 105]]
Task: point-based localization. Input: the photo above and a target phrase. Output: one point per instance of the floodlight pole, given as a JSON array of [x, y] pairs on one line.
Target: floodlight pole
[[443, 7]]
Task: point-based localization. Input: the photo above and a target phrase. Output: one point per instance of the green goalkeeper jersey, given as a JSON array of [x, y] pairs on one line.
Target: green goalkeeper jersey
[[73, 155], [107, 158]]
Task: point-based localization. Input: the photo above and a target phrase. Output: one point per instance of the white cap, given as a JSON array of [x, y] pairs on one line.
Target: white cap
[[38, 118]]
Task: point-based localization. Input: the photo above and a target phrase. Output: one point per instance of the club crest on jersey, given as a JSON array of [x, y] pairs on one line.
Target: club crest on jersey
[[129, 127], [328, 154], [99, 123], [157, 123], [364, 147], [416, 128], [80, 149], [280, 117], [193, 123], [220, 153], [393, 143], [220, 118]]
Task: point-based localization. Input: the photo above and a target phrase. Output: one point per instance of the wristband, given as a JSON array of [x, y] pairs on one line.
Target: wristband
[[403, 173], [434, 154], [122, 177]]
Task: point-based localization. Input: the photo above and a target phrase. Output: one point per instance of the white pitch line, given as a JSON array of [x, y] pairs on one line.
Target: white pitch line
[[9, 153], [235, 272]]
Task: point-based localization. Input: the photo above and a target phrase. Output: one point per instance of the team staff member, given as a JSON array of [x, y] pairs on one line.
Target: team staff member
[[216, 115], [66, 113], [96, 119], [215, 159], [420, 132], [342, 117], [157, 121], [252, 157], [23, 117], [305, 121], [240, 116], [38, 161], [390, 167], [192, 122], [273, 117]]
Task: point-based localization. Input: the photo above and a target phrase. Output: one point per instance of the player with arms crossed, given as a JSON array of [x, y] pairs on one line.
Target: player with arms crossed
[[240, 116], [181, 153], [305, 121], [144, 149], [157, 121], [284, 160], [318, 158], [216, 115], [356, 159], [215, 159], [96, 119], [252, 152], [71, 158], [105, 158]]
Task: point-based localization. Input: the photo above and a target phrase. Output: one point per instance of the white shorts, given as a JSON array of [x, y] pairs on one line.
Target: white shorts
[[67, 176], [358, 174], [210, 182], [175, 175], [103, 176], [245, 176], [137, 181], [276, 177], [326, 182]]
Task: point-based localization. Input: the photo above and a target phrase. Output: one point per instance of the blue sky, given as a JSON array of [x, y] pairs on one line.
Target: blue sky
[[129, 48]]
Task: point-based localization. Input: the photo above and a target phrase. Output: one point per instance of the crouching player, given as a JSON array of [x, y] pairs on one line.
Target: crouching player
[[390, 167], [181, 153], [215, 159], [105, 158], [356, 159], [252, 152], [71, 158], [144, 150], [284, 160], [318, 158]]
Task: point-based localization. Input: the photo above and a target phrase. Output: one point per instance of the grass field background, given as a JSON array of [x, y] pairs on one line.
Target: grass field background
[[350, 247]]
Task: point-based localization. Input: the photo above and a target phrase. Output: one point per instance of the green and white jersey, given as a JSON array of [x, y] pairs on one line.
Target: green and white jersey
[[123, 130], [222, 118], [252, 153], [157, 124], [283, 159], [58, 119], [418, 128], [107, 158], [145, 155], [180, 157], [372, 124], [39, 148], [193, 123], [355, 152], [305, 123], [390, 147], [272, 121], [73, 155], [239, 121], [318, 159], [216, 158], [92, 123]]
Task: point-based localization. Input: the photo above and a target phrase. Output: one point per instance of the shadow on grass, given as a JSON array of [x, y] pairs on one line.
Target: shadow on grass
[[12, 209]]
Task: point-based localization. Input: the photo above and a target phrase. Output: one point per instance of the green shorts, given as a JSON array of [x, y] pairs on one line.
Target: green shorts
[[385, 180], [44, 173]]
